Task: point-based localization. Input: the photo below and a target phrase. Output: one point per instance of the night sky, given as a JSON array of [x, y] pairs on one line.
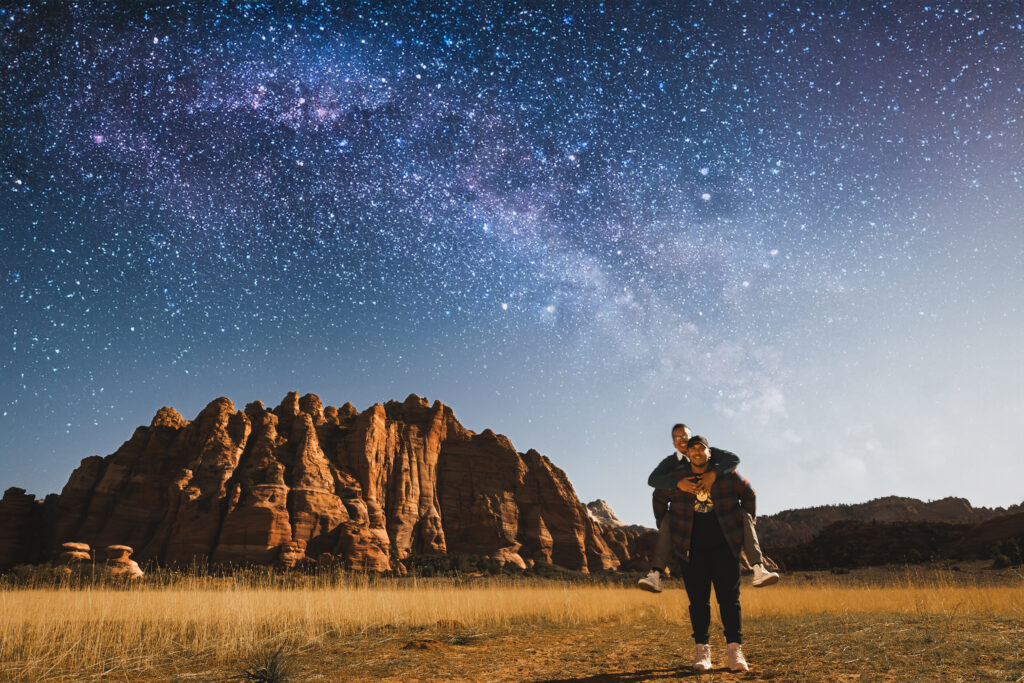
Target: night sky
[[797, 227]]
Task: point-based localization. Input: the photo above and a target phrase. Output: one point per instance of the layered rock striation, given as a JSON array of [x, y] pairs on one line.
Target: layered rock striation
[[365, 490]]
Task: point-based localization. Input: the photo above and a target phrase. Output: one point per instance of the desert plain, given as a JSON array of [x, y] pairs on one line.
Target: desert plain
[[927, 622]]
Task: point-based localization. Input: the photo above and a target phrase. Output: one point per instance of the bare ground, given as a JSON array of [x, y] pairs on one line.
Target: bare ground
[[861, 647]]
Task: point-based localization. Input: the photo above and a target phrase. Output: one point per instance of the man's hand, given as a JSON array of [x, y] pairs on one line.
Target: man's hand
[[707, 479], [688, 485]]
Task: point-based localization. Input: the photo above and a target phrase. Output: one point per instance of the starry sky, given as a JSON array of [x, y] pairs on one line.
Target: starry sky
[[796, 227]]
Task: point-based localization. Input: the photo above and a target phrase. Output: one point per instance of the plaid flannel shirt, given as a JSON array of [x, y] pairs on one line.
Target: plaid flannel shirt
[[732, 496]]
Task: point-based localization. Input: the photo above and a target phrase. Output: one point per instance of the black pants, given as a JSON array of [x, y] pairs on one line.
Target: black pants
[[720, 567]]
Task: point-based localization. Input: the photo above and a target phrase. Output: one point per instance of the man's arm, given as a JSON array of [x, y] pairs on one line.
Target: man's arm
[[723, 462], [660, 478]]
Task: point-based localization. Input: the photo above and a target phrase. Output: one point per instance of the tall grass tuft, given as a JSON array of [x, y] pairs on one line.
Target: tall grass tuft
[[268, 666]]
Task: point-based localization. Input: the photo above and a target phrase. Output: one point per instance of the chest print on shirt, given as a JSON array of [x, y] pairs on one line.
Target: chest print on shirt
[[703, 503]]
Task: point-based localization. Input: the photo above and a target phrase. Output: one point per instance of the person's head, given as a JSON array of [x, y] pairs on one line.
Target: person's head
[[680, 435], [698, 451]]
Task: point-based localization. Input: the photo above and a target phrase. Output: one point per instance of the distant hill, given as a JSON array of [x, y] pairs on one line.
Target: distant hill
[[857, 543], [792, 527], [948, 529]]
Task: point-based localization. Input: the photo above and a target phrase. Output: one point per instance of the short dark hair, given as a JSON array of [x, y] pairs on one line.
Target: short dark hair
[[694, 440], [679, 425]]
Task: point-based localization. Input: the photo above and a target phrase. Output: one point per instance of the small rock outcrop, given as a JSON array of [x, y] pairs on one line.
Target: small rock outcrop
[[120, 564], [72, 558], [72, 554], [292, 554]]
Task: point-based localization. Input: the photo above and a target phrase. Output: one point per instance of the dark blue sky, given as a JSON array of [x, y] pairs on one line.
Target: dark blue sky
[[795, 226]]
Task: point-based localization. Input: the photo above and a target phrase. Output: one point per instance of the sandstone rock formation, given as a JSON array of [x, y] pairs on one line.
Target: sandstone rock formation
[[601, 512], [72, 554], [633, 545], [21, 528], [120, 564], [293, 553], [364, 490]]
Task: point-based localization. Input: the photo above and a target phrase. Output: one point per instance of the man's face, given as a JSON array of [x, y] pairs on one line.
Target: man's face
[[680, 435], [698, 454]]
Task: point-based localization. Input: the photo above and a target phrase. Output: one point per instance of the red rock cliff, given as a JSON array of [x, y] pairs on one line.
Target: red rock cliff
[[369, 489]]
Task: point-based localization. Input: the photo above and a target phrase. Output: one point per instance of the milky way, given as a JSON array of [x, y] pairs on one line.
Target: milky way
[[793, 225]]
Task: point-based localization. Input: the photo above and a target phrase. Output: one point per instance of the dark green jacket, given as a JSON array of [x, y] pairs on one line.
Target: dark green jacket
[[722, 462]]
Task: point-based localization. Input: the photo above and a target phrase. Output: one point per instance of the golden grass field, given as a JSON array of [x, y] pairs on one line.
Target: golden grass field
[[892, 628]]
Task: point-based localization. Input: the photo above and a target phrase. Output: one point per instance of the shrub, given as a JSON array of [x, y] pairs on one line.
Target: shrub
[[268, 666]]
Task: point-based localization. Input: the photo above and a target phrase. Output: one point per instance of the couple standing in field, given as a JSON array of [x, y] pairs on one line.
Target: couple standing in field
[[705, 513]]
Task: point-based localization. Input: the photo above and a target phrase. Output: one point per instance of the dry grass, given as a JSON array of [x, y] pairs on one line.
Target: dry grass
[[181, 630]]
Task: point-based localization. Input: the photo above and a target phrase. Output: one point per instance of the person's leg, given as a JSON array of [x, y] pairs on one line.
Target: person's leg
[[726, 578], [659, 560], [751, 547], [725, 575], [697, 580], [664, 545]]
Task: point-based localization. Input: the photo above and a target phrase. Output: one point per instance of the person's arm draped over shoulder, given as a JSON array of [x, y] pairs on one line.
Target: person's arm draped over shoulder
[[722, 461], [660, 478]]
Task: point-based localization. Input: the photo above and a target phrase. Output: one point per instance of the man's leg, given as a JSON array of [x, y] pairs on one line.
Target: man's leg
[[725, 575], [664, 546], [652, 582], [752, 549], [697, 580]]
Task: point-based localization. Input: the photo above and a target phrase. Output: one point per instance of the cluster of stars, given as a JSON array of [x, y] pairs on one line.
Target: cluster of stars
[[601, 190]]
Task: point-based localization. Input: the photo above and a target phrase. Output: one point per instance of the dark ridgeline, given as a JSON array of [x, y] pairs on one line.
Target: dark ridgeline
[[892, 530]]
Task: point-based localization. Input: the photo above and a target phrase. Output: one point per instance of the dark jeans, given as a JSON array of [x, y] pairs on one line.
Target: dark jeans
[[720, 567]]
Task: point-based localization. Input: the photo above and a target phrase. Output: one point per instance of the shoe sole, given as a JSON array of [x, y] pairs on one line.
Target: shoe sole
[[648, 587], [768, 581]]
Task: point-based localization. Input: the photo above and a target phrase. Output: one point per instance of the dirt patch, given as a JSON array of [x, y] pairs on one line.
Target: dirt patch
[[450, 625], [425, 644], [865, 647]]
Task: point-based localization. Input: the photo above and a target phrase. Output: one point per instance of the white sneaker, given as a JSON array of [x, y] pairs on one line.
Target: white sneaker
[[702, 660], [763, 577], [736, 660], [651, 582]]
